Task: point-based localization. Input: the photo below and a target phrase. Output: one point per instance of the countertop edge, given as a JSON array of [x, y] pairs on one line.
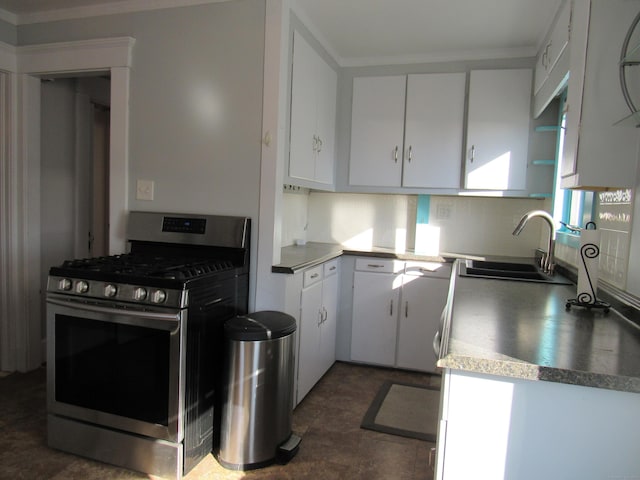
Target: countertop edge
[[529, 371], [300, 257]]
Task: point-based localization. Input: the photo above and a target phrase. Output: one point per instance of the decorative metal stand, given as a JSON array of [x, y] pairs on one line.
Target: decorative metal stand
[[586, 299]]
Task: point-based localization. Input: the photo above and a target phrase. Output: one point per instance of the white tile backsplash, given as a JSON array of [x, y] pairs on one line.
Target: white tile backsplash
[[295, 208], [614, 220], [465, 224], [485, 225], [361, 220]]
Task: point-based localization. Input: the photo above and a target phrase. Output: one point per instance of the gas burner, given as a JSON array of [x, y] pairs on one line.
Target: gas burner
[[144, 266]]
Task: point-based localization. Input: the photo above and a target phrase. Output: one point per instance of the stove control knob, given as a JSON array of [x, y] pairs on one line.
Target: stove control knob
[[110, 290], [82, 287], [158, 296], [140, 294], [64, 284]]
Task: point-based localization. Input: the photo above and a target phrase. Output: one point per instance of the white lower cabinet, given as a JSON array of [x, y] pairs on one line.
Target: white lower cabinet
[[317, 329], [396, 312], [375, 304], [534, 429], [423, 299]]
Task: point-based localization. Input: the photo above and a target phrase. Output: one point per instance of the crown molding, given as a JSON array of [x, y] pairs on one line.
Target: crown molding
[[8, 17], [110, 8], [454, 56]]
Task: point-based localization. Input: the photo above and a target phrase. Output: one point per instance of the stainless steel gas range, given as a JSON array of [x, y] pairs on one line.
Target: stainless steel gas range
[[134, 342]]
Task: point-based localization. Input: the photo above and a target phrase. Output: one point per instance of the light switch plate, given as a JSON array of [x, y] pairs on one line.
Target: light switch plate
[[144, 189]]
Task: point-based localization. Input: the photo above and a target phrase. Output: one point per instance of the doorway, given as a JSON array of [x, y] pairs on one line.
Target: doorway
[[74, 166], [21, 333]]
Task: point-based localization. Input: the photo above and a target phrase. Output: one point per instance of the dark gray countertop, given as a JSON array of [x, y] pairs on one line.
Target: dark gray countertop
[[298, 257], [523, 330]]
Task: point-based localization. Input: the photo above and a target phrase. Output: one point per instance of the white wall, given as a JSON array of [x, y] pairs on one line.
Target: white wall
[[195, 102]]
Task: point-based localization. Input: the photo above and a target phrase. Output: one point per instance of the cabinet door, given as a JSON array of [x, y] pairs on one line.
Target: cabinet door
[[423, 299], [374, 322], [309, 350], [303, 110], [559, 36], [598, 154], [377, 125], [330, 309], [498, 129], [326, 94], [540, 72], [433, 130]]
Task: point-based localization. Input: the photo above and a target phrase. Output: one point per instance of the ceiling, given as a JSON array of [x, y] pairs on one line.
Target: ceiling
[[360, 32]]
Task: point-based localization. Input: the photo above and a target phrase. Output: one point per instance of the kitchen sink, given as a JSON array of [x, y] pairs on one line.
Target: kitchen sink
[[524, 272]]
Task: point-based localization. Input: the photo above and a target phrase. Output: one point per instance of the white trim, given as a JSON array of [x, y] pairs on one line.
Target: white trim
[[85, 55], [106, 8], [8, 61], [461, 55], [6, 228], [8, 17], [27, 323], [119, 159], [272, 162]]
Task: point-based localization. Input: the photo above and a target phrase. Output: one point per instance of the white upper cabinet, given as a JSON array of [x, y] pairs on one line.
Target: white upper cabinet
[[433, 130], [313, 118], [597, 153], [552, 63], [553, 47], [419, 146], [498, 129], [377, 128]]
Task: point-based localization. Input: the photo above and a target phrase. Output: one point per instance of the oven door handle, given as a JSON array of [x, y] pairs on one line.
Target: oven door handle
[[131, 315]]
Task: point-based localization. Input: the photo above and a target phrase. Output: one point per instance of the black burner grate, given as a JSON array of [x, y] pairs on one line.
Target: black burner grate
[[144, 266]]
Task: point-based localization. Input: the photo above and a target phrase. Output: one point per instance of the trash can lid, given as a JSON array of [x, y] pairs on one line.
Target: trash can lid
[[266, 325]]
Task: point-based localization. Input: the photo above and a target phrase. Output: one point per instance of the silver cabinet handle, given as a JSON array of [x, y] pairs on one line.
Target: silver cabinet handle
[[436, 344], [432, 458], [391, 307], [375, 265], [410, 153], [315, 275], [395, 154], [473, 153], [406, 309], [546, 56], [319, 145]]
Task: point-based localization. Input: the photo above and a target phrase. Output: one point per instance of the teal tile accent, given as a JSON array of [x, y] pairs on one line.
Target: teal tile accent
[[422, 210]]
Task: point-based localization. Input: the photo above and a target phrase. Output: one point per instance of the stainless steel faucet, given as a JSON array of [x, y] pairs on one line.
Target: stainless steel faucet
[[547, 261]]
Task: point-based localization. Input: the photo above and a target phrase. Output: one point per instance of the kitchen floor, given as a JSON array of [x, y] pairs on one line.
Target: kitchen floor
[[328, 419]]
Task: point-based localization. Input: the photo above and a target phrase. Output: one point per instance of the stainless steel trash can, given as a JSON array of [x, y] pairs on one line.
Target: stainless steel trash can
[[257, 407]]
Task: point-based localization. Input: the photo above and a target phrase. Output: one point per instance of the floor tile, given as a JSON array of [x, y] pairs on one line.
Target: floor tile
[[328, 420]]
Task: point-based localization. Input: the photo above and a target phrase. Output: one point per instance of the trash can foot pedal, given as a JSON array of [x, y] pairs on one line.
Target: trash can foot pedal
[[288, 449]]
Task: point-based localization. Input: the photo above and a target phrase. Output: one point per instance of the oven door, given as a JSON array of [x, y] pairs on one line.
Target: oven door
[[116, 367]]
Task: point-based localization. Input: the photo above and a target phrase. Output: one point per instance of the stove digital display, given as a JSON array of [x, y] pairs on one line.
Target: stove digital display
[[184, 225]]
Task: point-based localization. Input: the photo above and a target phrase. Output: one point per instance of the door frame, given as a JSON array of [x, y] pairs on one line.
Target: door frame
[[21, 341]]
